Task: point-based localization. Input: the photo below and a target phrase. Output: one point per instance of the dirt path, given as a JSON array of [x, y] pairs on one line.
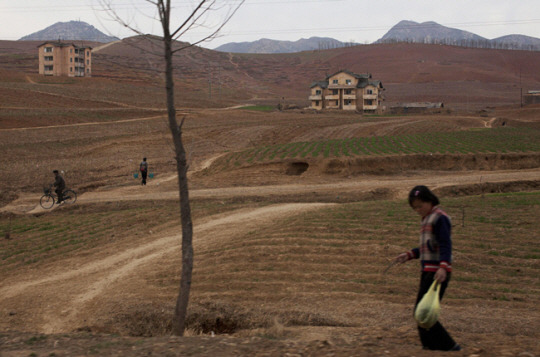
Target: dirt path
[[60, 292], [164, 188]]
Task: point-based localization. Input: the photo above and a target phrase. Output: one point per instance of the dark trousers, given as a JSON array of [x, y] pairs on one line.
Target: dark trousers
[[59, 194], [143, 175], [436, 337]]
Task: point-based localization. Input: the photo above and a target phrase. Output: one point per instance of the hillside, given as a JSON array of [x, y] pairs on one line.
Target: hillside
[[461, 78]]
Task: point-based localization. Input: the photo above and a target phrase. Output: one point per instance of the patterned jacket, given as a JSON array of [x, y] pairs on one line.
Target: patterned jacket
[[435, 250]]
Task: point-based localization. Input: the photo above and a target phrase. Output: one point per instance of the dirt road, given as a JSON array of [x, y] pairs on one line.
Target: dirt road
[[164, 188], [62, 291]]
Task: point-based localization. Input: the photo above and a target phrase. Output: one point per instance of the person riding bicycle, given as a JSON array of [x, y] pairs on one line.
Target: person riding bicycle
[[60, 186]]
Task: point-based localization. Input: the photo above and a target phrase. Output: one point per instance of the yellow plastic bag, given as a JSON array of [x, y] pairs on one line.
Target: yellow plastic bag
[[428, 309]]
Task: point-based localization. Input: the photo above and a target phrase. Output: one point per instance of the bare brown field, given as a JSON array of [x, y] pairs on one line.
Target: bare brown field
[[287, 261]]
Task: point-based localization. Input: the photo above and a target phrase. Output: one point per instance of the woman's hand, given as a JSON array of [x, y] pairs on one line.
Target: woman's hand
[[440, 275], [402, 258]]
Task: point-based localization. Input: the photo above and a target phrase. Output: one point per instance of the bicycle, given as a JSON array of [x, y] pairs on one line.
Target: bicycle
[[49, 197]]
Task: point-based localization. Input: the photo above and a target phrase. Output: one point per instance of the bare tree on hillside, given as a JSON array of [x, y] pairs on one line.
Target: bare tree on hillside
[[174, 28]]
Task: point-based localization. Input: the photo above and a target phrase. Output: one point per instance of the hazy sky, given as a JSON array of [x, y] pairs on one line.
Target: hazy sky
[[357, 21]]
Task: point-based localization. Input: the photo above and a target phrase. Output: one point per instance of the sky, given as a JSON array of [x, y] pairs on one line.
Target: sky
[[356, 21]]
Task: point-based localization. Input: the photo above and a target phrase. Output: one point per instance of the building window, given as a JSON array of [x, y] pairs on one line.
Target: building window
[[335, 81], [71, 59], [317, 103], [48, 68], [348, 102], [48, 49], [318, 92], [48, 58], [348, 91], [369, 91], [71, 69], [87, 61], [88, 53], [335, 92], [348, 82]]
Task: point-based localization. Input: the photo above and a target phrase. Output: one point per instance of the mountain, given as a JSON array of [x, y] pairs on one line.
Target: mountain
[[405, 31], [69, 31], [432, 33], [426, 32], [524, 42], [265, 45]]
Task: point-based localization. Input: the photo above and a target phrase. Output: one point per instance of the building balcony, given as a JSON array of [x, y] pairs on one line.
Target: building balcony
[[370, 107], [349, 96], [331, 97], [315, 97], [370, 96], [341, 86]]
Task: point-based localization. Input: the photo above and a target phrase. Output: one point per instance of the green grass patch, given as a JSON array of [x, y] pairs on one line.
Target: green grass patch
[[498, 140]]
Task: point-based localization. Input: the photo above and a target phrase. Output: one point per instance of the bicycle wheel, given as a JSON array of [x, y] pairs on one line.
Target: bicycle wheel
[[46, 201], [70, 196]]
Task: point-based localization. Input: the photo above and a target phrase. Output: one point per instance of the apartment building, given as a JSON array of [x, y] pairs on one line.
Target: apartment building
[[345, 90], [65, 59]]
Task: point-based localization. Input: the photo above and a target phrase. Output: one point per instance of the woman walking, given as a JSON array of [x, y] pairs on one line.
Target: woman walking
[[435, 254]]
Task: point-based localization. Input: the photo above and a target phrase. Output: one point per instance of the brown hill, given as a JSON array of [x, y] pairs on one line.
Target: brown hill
[[462, 78]]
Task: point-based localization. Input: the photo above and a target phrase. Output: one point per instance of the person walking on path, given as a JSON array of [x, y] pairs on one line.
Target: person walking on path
[[143, 168], [60, 186], [435, 254]]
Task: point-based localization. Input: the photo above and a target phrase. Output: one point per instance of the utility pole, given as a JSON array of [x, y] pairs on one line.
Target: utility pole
[[520, 89]]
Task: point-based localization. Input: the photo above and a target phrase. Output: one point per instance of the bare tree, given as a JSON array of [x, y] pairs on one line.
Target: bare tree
[[171, 34]]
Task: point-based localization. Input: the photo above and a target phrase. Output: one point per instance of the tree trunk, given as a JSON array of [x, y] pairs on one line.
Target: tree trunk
[[179, 319]]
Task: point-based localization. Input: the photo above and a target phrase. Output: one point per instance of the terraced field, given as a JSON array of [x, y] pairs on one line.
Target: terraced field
[[499, 140]]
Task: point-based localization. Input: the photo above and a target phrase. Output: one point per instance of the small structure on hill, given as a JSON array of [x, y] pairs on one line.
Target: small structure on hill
[[346, 90], [417, 107], [58, 58], [532, 97]]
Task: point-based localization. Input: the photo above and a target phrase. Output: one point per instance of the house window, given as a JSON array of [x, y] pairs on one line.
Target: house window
[[348, 82], [48, 68], [335, 92], [335, 81], [318, 92], [48, 49], [87, 61], [348, 102], [348, 91], [48, 58], [71, 69], [87, 53], [71, 59], [317, 103], [369, 91]]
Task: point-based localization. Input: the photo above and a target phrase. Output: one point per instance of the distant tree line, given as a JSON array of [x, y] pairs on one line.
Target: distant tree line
[[330, 45], [472, 43]]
